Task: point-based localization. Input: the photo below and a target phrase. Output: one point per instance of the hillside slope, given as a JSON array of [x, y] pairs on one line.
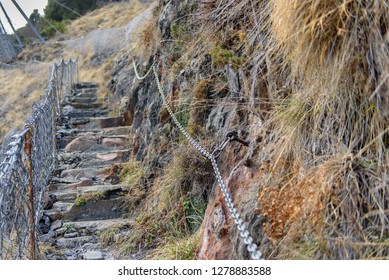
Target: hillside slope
[[302, 83], [34, 61], [307, 88]]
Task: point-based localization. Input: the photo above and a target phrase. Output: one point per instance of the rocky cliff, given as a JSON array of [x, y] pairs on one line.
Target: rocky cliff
[[208, 109], [230, 66]]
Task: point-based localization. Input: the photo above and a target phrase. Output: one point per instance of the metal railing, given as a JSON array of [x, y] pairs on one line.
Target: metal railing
[[27, 167]]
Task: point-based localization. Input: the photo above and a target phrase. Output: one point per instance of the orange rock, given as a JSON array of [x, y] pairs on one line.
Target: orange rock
[[107, 157], [112, 142], [81, 144]]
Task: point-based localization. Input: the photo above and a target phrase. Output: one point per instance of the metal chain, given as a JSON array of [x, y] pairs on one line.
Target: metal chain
[[180, 127], [241, 226], [137, 74]]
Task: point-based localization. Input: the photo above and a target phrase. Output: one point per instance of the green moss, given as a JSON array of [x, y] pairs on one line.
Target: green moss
[[69, 228], [80, 201], [183, 116], [167, 128], [108, 236], [132, 173], [179, 32], [222, 56]]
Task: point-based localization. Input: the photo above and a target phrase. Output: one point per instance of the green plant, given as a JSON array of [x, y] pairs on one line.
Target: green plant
[[179, 33], [132, 173], [194, 211], [222, 56], [69, 228], [129, 246], [80, 201], [48, 28], [96, 196], [83, 199], [184, 248], [108, 236]]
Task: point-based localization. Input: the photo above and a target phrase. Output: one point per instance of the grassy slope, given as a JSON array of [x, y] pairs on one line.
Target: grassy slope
[[23, 86], [317, 75], [20, 88]]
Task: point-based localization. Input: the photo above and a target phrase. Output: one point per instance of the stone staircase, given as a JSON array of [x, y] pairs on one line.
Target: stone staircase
[[85, 197]]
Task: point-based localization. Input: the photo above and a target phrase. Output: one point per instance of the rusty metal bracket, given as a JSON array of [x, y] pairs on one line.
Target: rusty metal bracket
[[30, 188]]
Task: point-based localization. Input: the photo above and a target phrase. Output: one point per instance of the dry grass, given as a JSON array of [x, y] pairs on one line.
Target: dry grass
[[333, 126], [185, 248], [322, 69], [20, 88], [170, 215], [23, 86], [146, 39], [110, 16]]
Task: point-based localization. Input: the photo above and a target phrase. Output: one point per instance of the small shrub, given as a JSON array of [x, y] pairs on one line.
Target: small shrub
[[80, 201], [69, 228], [222, 56], [108, 237], [185, 248], [134, 174]]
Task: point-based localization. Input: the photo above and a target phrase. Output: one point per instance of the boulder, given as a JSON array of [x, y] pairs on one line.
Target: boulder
[[81, 144], [92, 255], [56, 225]]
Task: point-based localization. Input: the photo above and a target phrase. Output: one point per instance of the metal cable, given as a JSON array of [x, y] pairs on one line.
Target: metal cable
[[241, 226]]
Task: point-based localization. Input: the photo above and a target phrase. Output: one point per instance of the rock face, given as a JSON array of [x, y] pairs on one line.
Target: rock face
[[152, 130], [7, 51]]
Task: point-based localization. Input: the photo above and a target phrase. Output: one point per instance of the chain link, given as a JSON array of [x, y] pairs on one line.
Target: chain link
[[241, 226], [25, 167], [137, 74]]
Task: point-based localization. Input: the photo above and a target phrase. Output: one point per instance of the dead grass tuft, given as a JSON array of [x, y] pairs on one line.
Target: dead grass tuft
[[337, 43], [21, 87], [109, 16], [321, 69], [173, 210]]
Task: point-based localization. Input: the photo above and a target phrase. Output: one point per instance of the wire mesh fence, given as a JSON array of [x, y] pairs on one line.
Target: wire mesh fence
[[27, 166]]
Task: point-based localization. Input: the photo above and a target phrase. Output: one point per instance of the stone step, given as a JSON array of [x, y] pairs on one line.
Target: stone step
[[86, 85], [89, 105], [97, 207], [100, 225], [58, 180], [82, 99], [97, 173], [89, 159], [75, 242], [70, 194], [104, 132], [58, 210], [97, 122], [83, 113], [93, 142], [86, 93], [54, 186]]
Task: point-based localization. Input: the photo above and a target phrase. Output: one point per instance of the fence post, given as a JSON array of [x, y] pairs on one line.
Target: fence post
[[53, 119], [28, 150]]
